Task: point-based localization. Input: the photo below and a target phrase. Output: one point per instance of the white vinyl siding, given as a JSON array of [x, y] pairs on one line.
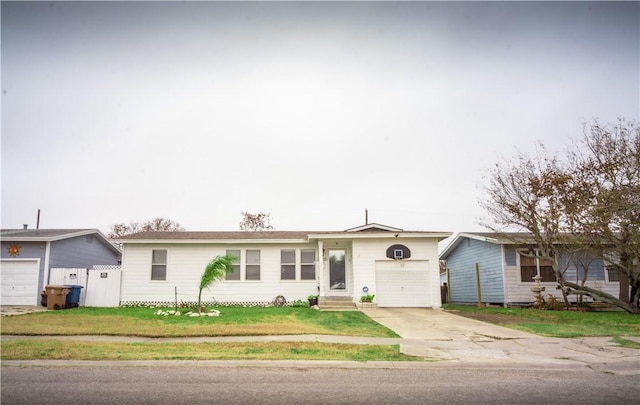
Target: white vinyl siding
[[424, 254]]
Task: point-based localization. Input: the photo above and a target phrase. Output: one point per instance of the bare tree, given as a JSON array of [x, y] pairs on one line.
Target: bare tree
[[608, 159], [574, 205], [255, 222], [156, 224]]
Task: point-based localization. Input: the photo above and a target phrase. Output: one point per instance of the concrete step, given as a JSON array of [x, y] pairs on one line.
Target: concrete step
[[336, 303]]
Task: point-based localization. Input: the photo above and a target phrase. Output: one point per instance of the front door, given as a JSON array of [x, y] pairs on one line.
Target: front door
[[337, 271]]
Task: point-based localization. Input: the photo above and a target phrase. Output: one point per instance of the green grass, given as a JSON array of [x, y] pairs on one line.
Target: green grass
[[562, 324], [233, 321], [83, 350]]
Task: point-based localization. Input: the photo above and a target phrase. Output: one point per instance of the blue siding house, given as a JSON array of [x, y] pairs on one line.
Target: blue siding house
[[28, 255], [506, 276]]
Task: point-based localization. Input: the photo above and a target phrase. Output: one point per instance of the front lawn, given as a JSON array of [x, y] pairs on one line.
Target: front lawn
[[233, 321], [564, 324]]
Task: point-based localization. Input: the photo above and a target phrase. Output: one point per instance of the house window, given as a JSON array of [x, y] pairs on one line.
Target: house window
[[236, 265], [158, 265], [287, 264], [529, 269], [308, 264], [613, 273], [252, 271]]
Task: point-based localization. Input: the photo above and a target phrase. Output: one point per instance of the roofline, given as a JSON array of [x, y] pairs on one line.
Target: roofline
[[381, 235], [310, 237], [63, 237], [209, 241]]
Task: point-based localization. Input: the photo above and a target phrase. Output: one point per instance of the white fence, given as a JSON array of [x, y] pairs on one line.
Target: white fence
[[101, 284]]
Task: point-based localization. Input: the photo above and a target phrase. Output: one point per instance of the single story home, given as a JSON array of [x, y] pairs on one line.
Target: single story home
[[506, 272], [28, 255], [399, 267]]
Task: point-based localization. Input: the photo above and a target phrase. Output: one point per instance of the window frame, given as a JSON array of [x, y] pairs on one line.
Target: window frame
[[304, 265], [288, 265], [237, 266], [536, 266], [252, 266], [156, 264]]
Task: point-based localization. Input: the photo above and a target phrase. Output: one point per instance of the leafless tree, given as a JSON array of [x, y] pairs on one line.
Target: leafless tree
[[256, 222], [156, 224], [588, 201]]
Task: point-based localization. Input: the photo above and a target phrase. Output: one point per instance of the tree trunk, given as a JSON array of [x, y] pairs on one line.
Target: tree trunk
[[624, 295], [608, 298]]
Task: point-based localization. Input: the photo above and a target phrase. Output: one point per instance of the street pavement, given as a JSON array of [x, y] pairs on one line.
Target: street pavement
[[432, 334]]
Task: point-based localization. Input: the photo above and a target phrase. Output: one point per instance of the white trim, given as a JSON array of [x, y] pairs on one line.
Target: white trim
[[373, 226], [47, 267], [351, 236]]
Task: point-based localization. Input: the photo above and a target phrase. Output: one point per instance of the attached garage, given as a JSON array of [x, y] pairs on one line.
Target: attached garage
[[19, 280], [403, 283]]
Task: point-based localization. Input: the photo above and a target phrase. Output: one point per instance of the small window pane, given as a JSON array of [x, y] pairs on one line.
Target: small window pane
[[288, 272], [159, 257], [287, 256], [547, 274], [158, 272], [253, 272], [236, 266], [253, 257], [614, 274], [527, 273], [308, 272], [308, 256]]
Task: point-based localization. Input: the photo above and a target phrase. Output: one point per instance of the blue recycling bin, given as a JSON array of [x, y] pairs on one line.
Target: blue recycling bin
[[73, 298]]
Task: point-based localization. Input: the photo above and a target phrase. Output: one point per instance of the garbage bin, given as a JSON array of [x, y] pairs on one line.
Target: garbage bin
[[73, 298], [56, 296]]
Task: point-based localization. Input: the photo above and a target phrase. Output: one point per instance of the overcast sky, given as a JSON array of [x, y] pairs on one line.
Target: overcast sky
[[196, 111]]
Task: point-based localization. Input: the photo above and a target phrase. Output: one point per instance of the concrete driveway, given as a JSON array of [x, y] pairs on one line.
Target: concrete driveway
[[435, 333]]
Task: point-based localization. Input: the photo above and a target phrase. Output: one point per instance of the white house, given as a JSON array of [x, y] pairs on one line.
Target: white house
[[399, 267]]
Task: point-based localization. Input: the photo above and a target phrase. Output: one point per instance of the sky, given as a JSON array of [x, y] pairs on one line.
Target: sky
[[196, 111]]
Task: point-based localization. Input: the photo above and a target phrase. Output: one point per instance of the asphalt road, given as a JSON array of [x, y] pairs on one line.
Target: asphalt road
[[194, 384]]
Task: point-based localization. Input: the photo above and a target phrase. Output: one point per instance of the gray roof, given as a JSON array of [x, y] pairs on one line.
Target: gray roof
[[51, 235], [220, 235]]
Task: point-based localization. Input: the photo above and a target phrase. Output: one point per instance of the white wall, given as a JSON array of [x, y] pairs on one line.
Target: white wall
[[367, 251], [186, 263]]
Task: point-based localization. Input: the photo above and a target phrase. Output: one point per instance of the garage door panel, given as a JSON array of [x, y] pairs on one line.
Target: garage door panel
[[19, 282], [403, 284]]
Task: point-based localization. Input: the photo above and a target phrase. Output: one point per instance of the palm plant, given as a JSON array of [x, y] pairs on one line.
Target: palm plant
[[216, 270]]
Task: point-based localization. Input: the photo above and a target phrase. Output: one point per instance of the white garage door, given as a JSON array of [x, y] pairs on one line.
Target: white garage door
[[403, 283], [19, 280]]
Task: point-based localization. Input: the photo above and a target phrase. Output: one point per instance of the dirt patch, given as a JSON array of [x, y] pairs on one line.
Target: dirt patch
[[497, 319]]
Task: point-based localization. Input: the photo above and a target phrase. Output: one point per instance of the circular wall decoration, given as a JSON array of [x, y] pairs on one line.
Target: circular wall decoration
[[14, 250]]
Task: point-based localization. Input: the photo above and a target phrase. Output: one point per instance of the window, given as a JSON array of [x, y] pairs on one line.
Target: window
[[613, 273], [308, 264], [288, 264], [529, 268], [236, 266], [158, 265], [252, 271]]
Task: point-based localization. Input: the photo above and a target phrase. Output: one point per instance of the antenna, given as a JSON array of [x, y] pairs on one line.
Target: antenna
[[366, 216], [38, 220]]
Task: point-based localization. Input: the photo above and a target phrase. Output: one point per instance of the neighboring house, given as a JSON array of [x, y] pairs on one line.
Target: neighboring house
[[28, 255], [506, 275], [159, 267]]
